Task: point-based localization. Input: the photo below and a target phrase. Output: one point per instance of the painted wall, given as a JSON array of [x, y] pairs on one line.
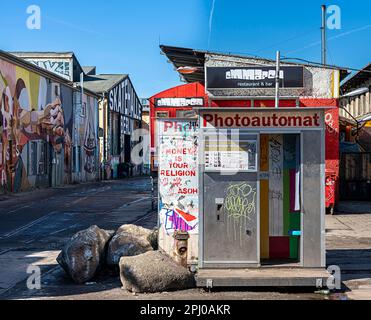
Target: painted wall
[[183, 91], [178, 184], [32, 118], [60, 66], [38, 131], [280, 224], [85, 138]]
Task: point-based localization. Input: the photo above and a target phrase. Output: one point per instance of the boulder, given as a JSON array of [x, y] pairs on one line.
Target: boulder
[[153, 239], [154, 271], [129, 240], [84, 254]]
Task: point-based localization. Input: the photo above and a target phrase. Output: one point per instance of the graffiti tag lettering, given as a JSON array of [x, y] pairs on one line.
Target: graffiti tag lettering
[[240, 201]]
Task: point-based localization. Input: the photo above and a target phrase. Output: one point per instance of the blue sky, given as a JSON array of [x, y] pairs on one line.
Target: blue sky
[[122, 36]]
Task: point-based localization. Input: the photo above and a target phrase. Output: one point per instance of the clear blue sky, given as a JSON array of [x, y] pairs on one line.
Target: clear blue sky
[[122, 36]]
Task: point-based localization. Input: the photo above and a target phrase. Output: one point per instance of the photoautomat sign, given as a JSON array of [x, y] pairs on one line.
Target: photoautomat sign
[[263, 119], [253, 77]]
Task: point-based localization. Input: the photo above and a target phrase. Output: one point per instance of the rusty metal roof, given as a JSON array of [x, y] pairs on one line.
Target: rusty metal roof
[[187, 57]]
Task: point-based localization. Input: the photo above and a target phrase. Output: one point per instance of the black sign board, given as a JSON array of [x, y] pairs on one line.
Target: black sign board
[[254, 77]]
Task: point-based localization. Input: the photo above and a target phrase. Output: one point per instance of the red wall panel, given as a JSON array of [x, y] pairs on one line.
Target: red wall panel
[[198, 90]]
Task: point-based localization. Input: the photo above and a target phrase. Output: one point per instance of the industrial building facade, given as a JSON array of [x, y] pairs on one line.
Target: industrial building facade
[[60, 123], [120, 114], [48, 134]]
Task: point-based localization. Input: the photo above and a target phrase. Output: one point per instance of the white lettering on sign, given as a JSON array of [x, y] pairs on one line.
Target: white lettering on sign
[[61, 67], [123, 100], [252, 74], [179, 102], [263, 120]]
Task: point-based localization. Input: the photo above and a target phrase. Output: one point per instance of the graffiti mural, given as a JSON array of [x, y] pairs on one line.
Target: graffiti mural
[[90, 139], [178, 179], [30, 111], [85, 137], [60, 67]]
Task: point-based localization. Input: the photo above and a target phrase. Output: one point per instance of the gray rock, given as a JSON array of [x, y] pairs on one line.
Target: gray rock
[[153, 239], [153, 271], [84, 254], [129, 240]]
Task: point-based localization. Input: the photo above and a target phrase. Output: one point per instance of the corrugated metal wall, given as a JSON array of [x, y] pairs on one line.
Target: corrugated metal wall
[[357, 106]]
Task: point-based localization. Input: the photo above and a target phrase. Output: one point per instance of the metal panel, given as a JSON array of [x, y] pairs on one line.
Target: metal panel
[[230, 219], [313, 189]]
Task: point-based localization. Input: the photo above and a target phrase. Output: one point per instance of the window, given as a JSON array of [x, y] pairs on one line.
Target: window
[[56, 90], [32, 159], [162, 114], [116, 134], [186, 114], [83, 109], [43, 158], [76, 159]]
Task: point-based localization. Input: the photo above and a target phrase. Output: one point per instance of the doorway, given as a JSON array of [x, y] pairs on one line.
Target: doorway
[[230, 199], [280, 194]]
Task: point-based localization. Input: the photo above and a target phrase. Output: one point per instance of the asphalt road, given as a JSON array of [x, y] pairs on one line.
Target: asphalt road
[[35, 226]]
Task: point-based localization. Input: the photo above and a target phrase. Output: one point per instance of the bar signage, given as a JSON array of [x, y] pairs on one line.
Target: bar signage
[[254, 77]]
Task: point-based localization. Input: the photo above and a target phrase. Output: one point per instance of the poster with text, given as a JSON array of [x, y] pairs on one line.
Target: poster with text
[[178, 175]]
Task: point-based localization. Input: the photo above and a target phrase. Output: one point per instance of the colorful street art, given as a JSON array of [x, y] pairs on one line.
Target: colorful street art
[[178, 179], [88, 136], [27, 114], [33, 109], [62, 67]]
